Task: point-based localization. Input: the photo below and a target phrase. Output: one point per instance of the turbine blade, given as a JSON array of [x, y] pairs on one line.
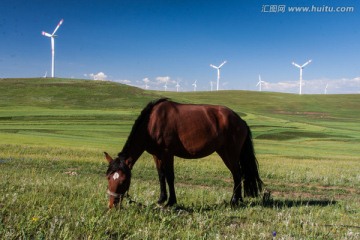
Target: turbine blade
[[57, 27], [213, 66], [296, 65], [305, 64], [46, 34], [222, 64]]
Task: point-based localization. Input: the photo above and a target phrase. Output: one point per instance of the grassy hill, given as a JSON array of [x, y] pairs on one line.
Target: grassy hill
[[70, 94], [53, 133], [274, 116], [87, 94]]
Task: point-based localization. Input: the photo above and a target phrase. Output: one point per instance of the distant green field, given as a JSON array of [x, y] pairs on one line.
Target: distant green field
[[52, 183]]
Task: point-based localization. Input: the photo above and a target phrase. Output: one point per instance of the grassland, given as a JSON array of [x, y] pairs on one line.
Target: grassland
[[52, 184]]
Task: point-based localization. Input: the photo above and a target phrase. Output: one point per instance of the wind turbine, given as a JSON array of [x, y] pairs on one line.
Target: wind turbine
[[52, 37], [301, 69], [260, 82], [165, 86], [325, 92], [194, 84], [177, 86], [146, 81], [211, 85], [218, 73]]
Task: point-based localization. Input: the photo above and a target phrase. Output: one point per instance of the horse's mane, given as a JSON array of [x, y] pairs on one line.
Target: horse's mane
[[142, 119]]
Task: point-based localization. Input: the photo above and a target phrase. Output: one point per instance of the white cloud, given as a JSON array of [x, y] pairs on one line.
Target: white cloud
[[127, 82], [316, 86], [161, 80], [157, 83], [344, 85], [98, 76], [289, 86]]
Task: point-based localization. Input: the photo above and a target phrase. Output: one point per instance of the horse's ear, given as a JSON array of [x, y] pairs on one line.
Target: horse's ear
[[129, 163], [108, 158]]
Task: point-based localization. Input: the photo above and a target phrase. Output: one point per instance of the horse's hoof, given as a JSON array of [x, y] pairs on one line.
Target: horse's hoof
[[170, 203], [162, 200], [235, 201]]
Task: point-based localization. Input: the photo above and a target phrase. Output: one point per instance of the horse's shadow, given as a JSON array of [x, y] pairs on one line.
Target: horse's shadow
[[272, 203], [266, 203]]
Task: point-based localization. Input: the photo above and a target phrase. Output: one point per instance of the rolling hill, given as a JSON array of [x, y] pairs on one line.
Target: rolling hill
[[88, 94], [77, 108]]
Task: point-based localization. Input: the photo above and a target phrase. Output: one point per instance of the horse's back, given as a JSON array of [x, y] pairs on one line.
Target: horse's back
[[192, 130]]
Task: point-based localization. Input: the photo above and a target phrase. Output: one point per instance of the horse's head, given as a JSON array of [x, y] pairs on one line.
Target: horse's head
[[119, 177]]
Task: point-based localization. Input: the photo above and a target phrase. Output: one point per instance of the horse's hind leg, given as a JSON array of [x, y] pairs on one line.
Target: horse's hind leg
[[231, 160], [170, 178], [161, 173]]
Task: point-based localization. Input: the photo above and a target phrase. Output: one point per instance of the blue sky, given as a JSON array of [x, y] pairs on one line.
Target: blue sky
[[150, 42]]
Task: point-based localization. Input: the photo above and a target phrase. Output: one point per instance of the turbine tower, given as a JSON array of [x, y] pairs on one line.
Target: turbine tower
[[194, 84], [301, 69], [260, 82], [165, 86], [326, 87], [177, 86], [218, 73], [52, 37]]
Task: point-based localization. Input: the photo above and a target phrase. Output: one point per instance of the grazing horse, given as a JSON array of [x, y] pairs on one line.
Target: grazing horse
[[166, 129]]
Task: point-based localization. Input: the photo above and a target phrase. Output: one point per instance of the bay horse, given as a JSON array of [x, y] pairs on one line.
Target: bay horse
[[166, 129]]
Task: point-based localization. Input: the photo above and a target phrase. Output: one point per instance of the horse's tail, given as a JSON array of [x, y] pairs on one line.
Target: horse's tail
[[249, 168]]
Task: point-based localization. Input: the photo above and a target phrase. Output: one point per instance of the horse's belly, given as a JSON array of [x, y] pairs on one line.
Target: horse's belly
[[197, 147], [189, 155]]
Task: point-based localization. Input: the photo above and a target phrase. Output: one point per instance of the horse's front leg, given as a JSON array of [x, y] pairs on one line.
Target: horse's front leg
[[161, 173]]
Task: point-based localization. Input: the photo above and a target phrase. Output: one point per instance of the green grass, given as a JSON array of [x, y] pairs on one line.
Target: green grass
[[52, 183]]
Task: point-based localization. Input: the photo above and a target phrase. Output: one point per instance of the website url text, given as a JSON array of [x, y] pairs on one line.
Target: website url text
[[306, 9]]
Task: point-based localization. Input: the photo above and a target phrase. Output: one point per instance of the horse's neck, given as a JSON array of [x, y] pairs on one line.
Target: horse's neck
[[136, 142], [134, 155], [134, 149]]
